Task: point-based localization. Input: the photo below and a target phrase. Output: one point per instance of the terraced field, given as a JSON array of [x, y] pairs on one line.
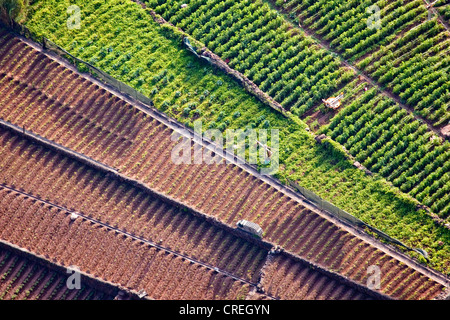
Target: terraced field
[[139, 147], [283, 276], [108, 254], [343, 25], [174, 92], [25, 219], [410, 57], [46, 229], [418, 64], [256, 41], [51, 177], [408, 53], [24, 278], [444, 10], [388, 140], [73, 185], [130, 234]]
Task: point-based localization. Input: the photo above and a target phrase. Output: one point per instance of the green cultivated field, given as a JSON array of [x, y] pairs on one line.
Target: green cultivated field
[[408, 54], [259, 43], [291, 68]]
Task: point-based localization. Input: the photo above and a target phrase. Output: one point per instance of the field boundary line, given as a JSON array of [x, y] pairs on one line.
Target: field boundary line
[[219, 63], [270, 254], [436, 12], [260, 243], [318, 40], [216, 61]]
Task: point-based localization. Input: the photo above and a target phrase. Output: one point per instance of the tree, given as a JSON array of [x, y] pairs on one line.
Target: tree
[[10, 10]]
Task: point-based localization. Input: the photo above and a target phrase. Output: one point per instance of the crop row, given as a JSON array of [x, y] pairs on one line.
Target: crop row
[[370, 133], [72, 185], [177, 83], [282, 275], [256, 41], [415, 67], [187, 89], [108, 255], [344, 23], [24, 279], [408, 53], [387, 140], [198, 13], [27, 214], [58, 179], [40, 228], [242, 196], [444, 10]]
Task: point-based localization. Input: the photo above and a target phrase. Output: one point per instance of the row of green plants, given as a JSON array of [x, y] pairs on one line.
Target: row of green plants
[[415, 67], [258, 42], [344, 23], [121, 32], [408, 53], [443, 8]]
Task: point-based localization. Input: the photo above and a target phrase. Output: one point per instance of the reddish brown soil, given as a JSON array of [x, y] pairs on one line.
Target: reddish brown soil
[[287, 279], [26, 279], [106, 254]]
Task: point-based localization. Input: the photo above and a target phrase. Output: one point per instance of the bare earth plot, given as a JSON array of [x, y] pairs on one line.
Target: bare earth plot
[[383, 136]]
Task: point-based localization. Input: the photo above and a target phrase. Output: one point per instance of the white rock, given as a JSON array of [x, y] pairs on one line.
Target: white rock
[[73, 216]]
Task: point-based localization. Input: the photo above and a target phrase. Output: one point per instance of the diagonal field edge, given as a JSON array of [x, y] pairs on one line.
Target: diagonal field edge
[[105, 286], [109, 171], [129, 235], [261, 243]]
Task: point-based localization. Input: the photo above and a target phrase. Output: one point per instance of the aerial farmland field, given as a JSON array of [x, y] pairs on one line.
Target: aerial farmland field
[[354, 96]]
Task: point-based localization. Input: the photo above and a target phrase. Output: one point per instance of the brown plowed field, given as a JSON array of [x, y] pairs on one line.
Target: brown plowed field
[[283, 278], [34, 226], [25, 279], [288, 279], [50, 100]]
